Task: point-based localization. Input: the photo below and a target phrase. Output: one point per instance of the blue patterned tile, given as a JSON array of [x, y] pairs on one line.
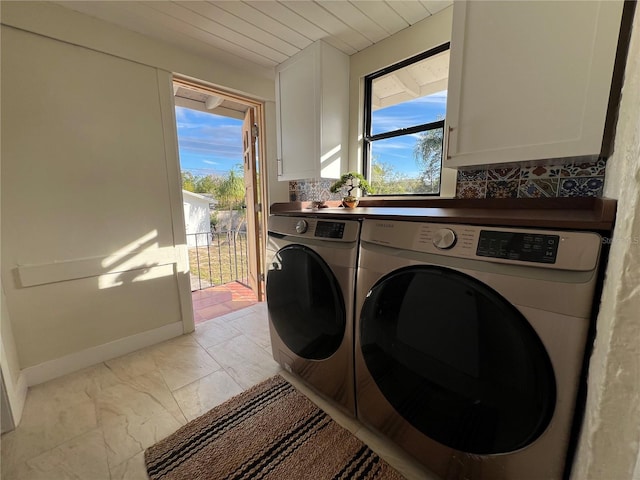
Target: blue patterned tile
[[581, 187], [538, 188], [585, 169], [502, 188], [471, 175]]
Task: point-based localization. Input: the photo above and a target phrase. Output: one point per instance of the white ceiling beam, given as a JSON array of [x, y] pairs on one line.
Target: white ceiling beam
[[408, 82], [376, 102], [434, 87]]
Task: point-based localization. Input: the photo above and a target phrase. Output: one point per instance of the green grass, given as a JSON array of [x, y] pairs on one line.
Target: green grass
[[220, 262]]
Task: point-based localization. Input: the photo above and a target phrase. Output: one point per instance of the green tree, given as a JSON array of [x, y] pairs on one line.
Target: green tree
[[206, 184], [385, 179], [230, 193], [199, 183], [428, 155], [188, 181]]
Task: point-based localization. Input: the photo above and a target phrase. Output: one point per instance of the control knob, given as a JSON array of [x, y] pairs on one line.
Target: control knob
[[444, 238], [301, 226]]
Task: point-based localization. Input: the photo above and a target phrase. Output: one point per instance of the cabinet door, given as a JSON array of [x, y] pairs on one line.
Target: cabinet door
[[297, 112], [529, 80]]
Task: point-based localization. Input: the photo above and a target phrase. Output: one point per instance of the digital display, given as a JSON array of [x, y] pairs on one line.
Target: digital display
[[329, 229], [526, 247]]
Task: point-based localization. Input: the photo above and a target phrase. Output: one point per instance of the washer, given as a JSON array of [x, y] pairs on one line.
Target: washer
[[470, 343], [310, 291]]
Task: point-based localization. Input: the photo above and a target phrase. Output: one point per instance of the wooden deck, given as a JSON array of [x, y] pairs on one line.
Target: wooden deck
[[217, 301]]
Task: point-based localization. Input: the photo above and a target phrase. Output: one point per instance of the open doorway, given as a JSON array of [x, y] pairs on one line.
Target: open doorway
[[223, 195]]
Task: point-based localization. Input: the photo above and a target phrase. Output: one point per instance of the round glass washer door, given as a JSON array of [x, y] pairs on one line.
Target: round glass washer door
[[305, 303], [456, 360]]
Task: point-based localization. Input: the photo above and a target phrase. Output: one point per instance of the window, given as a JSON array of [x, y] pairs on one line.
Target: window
[[405, 107]]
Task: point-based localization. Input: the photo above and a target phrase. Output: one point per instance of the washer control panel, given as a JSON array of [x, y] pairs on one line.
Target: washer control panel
[[559, 250], [444, 239], [301, 226]]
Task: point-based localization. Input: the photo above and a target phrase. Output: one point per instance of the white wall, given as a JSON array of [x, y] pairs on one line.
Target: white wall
[[93, 242], [610, 441], [88, 251], [420, 37]]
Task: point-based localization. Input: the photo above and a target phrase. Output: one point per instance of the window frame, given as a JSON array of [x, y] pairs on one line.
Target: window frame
[[368, 139]]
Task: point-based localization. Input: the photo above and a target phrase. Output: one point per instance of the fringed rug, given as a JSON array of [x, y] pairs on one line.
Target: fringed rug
[[270, 431]]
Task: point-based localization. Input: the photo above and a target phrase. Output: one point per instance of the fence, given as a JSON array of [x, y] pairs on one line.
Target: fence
[[217, 258]]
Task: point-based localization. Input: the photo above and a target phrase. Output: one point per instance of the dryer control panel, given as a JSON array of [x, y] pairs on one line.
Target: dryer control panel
[[325, 229], [343, 231]]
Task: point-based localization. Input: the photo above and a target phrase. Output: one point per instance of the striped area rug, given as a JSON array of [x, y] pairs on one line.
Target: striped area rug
[[270, 431]]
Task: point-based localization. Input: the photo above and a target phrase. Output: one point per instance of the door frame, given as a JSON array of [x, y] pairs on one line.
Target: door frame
[[261, 203]]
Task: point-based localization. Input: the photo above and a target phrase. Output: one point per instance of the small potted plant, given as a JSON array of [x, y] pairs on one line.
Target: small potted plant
[[351, 180]]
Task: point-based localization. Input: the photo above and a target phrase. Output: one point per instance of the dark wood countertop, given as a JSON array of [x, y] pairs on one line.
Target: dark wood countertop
[[584, 213]]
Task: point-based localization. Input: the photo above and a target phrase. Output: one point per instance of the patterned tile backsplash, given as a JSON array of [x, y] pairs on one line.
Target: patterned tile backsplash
[[577, 179], [312, 190]]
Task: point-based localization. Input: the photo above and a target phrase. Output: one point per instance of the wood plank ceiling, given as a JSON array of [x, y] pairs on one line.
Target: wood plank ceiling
[[264, 32]]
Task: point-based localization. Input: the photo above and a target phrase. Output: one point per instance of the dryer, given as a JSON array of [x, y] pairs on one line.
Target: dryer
[[470, 343], [310, 290]]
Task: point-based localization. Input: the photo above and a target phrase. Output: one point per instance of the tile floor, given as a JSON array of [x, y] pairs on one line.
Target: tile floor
[[95, 424]]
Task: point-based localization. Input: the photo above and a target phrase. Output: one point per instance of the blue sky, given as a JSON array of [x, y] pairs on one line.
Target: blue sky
[[208, 144], [212, 144], [399, 151]]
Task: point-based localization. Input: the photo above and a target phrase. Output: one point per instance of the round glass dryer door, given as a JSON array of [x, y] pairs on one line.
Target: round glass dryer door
[[457, 361], [305, 303]]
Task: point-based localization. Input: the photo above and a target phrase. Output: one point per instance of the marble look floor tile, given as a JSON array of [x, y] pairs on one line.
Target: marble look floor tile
[[45, 426], [259, 307], [132, 365], [183, 361], [132, 469], [202, 395], [256, 327], [75, 387], [124, 438], [245, 361], [213, 332], [83, 457], [137, 400], [135, 414]]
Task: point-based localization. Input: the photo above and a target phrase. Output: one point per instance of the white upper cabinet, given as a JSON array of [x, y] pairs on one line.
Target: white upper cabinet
[[312, 110], [529, 80]]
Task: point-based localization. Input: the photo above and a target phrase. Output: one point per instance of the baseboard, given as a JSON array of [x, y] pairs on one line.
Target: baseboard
[[76, 361]]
